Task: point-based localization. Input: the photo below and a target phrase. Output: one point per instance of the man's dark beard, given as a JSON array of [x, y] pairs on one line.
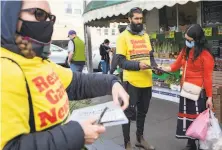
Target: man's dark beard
[[136, 27]]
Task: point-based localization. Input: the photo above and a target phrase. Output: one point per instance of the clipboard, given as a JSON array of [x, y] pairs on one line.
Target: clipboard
[[107, 114]]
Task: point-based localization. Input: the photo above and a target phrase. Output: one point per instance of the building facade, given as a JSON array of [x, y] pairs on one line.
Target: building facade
[[68, 16]]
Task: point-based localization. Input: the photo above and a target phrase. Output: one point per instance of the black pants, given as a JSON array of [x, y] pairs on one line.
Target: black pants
[[121, 76], [139, 104]]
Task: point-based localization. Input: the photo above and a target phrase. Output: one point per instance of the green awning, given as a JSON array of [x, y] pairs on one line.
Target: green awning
[[100, 12], [96, 4]]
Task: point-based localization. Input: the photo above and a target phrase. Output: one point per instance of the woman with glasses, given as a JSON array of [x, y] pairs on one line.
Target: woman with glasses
[[198, 63], [35, 92]]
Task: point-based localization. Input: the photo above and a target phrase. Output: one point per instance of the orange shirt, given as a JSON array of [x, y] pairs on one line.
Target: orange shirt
[[199, 72]]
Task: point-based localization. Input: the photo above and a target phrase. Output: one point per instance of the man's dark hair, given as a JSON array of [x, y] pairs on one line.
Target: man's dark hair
[[106, 41], [134, 10], [121, 29]]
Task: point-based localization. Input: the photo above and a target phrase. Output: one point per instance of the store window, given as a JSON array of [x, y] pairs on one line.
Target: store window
[[212, 13], [99, 31], [106, 32], [113, 31], [212, 23], [68, 7], [187, 15]]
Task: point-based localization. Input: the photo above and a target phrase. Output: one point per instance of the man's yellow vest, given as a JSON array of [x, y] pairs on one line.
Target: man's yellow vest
[[79, 52], [135, 48]]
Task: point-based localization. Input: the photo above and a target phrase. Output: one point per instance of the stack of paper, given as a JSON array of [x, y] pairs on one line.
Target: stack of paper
[[113, 116]]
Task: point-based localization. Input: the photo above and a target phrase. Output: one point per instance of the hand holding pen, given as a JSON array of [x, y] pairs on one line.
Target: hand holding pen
[[157, 70], [92, 128]]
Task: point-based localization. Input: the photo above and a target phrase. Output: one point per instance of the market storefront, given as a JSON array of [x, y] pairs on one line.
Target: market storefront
[[165, 22]]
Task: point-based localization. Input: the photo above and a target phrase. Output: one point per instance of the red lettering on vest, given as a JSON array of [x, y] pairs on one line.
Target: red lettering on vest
[[44, 117], [63, 110], [40, 83], [52, 78], [52, 96]]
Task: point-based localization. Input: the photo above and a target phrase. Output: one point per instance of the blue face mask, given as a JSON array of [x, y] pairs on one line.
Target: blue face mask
[[190, 44]]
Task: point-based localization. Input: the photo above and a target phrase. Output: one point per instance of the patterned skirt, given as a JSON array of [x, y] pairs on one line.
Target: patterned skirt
[[188, 112]]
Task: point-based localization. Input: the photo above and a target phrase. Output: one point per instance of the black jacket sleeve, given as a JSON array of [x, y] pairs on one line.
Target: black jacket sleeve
[[102, 50], [85, 86], [114, 64], [63, 137], [152, 60], [126, 64]]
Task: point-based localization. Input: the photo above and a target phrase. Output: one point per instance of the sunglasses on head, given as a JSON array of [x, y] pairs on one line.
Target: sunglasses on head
[[40, 15], [136, 8]]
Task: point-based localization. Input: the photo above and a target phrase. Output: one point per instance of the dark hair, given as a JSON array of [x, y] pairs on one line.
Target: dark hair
[[106, 41], [196, 32], [134, 10], [121, 29]]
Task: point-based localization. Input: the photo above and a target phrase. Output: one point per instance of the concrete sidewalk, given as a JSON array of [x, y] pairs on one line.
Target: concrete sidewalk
[[160, 126]]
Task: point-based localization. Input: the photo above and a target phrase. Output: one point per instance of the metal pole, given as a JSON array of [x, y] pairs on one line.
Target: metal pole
[[88, 49], [177, 11]]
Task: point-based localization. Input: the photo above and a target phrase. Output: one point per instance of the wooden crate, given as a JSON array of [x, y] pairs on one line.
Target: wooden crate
[[217, 100], [156, 55], [217, 77], [217, 81], [217, 89], [164, 55], [217, 74]]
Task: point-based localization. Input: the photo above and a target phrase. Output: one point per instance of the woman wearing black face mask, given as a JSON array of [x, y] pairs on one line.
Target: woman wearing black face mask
[[198, 61], [35, 91]]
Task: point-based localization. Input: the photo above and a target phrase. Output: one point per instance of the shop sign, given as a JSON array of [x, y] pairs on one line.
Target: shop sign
[[153, 35], [169, 35], [208, 31]]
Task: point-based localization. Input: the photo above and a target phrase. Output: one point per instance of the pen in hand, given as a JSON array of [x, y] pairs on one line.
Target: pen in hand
[[102, 114]]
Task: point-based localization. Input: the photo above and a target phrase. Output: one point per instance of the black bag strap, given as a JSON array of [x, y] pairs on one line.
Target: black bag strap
[[31, 111]]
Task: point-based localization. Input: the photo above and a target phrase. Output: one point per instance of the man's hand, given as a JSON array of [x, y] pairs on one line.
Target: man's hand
[[70, 57], [119, 92], [144, 66], [157, 72], [91, 131]]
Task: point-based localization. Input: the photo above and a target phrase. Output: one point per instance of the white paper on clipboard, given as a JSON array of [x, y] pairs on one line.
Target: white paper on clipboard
[[113, 116]]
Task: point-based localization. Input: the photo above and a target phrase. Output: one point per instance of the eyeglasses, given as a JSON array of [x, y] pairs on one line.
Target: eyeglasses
[[40, 15]]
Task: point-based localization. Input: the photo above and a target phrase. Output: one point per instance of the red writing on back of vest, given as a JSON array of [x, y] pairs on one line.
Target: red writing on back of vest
[[53, 96], [54, 114]]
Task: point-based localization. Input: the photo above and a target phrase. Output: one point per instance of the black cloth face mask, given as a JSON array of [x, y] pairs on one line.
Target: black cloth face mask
[[136, 27], [40, 31], [40, 34]]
